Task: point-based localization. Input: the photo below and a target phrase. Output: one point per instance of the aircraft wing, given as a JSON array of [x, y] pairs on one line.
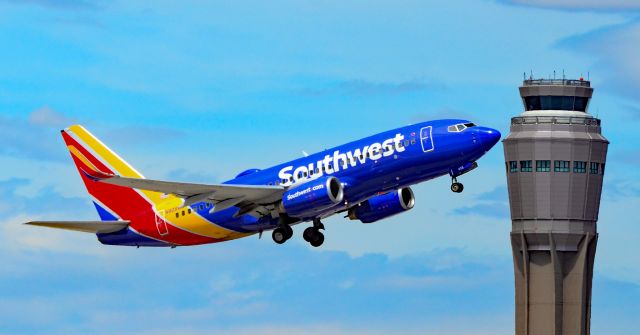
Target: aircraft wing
[[251, 199], [84, 226]]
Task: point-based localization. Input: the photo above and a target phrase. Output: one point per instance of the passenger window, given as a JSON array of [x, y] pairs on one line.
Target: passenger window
[[182, 212], [413, 141], [304, 174], [201, 206], [189, 210], [406, 143], [177, 215]]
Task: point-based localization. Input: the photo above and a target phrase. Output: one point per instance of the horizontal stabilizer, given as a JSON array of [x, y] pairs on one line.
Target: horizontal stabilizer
[[95, 227]]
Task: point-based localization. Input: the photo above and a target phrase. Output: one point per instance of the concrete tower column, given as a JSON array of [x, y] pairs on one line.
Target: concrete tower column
[[555, 158]]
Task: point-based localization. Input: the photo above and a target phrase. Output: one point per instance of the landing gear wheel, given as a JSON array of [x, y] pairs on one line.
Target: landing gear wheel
[[313, 236], [308, 234], [288, 231], [317, 240], [279, 235], [457, 187]]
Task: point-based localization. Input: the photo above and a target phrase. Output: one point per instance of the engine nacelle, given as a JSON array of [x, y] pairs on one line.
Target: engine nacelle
[[311, 197], [383, 206]]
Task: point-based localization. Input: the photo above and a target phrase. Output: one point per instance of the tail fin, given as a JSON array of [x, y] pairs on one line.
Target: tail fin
[[93, 160]]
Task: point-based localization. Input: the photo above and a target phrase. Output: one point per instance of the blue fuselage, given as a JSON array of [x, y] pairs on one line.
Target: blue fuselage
[[376, 164]]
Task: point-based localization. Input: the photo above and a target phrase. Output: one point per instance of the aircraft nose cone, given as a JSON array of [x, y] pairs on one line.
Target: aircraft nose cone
[[488, 137]]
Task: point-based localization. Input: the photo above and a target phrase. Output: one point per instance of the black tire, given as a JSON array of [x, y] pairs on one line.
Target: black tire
[[288, 231], [279, 235], [317, 240], [457, 187], [309, 234]]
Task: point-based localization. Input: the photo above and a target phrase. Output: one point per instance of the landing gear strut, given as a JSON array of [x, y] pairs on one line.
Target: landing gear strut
[[282, 233], [456, 186], [313, 234]]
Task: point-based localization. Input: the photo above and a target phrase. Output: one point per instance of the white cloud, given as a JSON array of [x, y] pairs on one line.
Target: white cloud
[[15, 237], [616, 50], [46, 116], [34, 138]]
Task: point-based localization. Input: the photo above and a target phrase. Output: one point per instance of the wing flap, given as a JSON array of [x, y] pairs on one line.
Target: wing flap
[[95, 227], [214, 192]]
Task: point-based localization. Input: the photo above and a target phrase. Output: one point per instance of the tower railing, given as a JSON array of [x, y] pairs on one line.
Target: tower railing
[[588, 121], [557, 82]]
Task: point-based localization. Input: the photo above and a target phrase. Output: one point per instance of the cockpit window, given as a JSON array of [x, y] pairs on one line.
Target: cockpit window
[[456, 128]]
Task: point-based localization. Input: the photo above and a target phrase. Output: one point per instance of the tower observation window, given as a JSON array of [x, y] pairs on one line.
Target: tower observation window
[[580, 167], [525, 166], [594, 168], [561, 166], [550, 102], [513, 166], [543, 166]]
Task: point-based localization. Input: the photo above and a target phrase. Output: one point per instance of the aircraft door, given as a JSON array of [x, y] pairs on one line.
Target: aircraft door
[[161, 224], [426, 138]]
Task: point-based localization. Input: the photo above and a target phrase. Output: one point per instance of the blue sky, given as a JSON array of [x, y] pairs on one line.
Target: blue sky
[[200, 90]]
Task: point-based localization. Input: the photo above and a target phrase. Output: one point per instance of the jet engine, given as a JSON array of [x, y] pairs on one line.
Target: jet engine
[[383, 206], [312, 197]]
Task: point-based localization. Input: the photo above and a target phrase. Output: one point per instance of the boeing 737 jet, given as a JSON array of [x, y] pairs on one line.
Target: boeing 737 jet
[[368, 180]]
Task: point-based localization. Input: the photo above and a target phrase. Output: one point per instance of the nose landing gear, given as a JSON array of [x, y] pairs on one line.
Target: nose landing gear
[[456, 186]]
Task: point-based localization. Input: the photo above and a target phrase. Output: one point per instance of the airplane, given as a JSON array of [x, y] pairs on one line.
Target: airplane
[[368, 180]]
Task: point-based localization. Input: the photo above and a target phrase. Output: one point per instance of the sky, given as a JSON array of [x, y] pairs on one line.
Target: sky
[[200, 90]]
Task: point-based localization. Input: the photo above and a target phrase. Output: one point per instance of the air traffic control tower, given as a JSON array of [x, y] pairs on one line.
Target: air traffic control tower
[[555, 159]]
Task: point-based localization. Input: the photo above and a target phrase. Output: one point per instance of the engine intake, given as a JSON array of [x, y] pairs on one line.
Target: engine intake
[[314, 196], [383, 206]]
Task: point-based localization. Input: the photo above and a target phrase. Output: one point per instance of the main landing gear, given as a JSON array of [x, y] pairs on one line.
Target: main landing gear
[[282, 233], [456, 186], [313, 234]]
